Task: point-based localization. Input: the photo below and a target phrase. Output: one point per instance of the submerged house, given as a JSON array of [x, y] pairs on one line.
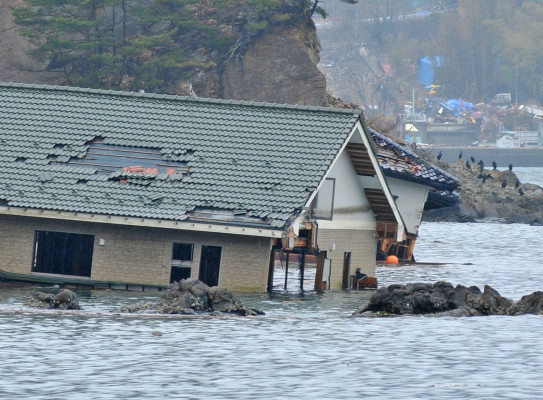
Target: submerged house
[[135, 190], [416, 185]]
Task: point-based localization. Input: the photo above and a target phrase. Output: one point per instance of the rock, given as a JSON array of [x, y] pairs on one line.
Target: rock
[[440, 299], [486, 198], [493, 303], [530, 304]]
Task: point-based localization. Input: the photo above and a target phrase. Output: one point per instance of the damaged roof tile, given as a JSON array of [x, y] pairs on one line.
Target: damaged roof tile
[[265, 159]]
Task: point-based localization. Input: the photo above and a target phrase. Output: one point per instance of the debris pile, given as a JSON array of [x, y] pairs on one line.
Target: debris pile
[[191, 296], [443, 299], [65, 299]]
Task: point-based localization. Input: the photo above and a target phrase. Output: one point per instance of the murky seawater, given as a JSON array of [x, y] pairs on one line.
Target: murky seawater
[[305, 347]]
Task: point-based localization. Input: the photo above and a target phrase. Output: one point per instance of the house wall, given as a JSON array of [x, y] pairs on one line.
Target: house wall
[[352, 228], [140, 255], [361, 244], [351, 208], [410, 201]]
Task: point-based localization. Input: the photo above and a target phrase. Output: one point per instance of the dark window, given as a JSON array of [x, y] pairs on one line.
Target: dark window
[[210, 265], [179, 273], [181, 265], [63, 253], [182, 251]]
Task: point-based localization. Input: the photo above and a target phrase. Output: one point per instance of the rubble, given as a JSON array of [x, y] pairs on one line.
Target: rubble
[[65, 299], [191, 296]]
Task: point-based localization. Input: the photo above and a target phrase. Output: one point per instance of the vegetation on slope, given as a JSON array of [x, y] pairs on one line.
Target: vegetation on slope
[[144, 44]]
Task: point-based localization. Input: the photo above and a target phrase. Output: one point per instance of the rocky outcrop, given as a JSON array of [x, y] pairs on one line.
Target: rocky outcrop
[[191, 296], [489, 193], [442, 298], [279, 66], [65, 300]]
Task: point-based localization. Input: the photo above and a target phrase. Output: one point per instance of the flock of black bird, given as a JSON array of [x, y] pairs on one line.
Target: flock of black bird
[[484, 177]]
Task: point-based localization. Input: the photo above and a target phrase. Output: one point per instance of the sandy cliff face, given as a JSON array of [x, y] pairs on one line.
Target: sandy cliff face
[[15, 63], [279, 67]]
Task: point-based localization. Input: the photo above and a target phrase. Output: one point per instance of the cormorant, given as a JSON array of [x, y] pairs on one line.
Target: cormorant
[[494, 165], [439, 155], [504, 183], [517, 184], [468, 166], [472, 159], [481, 165], [510, 167], [521, 192], [460, 155]]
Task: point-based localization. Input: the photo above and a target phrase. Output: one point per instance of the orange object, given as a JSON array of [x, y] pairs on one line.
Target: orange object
[[392, 260], [170, 171]]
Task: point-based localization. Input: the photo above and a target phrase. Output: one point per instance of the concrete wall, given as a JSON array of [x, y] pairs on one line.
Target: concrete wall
[[140, 255]]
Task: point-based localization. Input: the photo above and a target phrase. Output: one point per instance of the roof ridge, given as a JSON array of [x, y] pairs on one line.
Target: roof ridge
[[162, 96]]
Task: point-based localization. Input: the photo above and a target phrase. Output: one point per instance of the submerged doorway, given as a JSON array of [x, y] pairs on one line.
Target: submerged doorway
[[210, 265], [63, 253]]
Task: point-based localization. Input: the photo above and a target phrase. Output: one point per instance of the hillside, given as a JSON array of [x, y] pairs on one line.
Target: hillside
[[232, 50]]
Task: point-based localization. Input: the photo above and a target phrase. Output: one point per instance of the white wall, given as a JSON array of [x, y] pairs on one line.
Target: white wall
[[351, 208], [410, 201]]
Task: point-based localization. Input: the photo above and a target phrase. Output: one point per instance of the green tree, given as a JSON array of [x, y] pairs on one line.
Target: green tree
[[77, 37], [144, 44]]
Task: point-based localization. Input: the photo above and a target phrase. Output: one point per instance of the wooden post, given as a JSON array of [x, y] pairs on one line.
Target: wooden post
[[286, 269], [346, 270], [302, 269], [271, 269], [320, 270]]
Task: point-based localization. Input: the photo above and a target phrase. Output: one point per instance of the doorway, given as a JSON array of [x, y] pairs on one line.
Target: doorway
[[210, 265], [63, 253]]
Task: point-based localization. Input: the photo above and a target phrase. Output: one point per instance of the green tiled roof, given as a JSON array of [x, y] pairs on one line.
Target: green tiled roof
[[264, 159]]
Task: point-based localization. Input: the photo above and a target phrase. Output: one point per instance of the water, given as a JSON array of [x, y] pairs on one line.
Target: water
[[305, 347]]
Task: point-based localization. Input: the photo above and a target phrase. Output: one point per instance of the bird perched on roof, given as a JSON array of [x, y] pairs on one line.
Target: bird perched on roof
[[439, 155], [481, 165], [468, 165], [517, 184], [460, 155], [472, 159], [494, 165], [510, 167], [504, 183], [521, 192]]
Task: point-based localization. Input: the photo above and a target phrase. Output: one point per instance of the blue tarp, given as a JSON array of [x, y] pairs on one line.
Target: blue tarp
[[426, 69], [456, 106]]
